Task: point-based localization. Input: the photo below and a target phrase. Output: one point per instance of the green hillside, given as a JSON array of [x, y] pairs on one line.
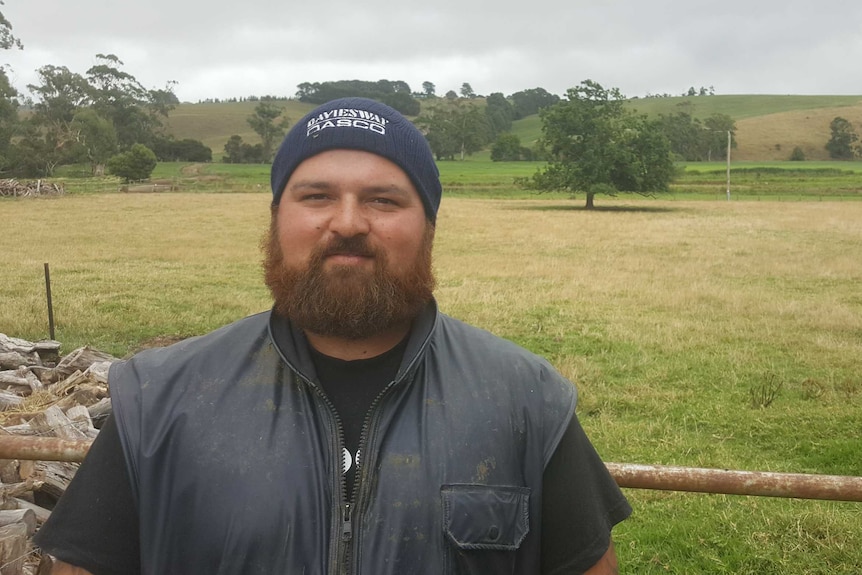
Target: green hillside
[[740, 107], [768, 127]]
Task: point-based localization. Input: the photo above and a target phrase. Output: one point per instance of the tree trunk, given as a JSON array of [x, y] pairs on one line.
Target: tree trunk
[[590, 197]]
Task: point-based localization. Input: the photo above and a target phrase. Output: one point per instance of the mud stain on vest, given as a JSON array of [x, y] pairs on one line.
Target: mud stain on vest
[[484, 469]]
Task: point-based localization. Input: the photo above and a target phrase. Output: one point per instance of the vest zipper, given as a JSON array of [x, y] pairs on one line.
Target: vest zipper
[[340, 554]]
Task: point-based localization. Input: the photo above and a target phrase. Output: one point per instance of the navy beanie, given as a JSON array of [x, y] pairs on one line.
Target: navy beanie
[[360, 124]]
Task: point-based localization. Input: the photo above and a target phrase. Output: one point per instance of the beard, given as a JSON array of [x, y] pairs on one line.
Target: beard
[[347, 302]]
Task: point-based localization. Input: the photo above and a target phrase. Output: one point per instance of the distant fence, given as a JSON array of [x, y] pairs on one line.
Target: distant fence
[[658, 477]]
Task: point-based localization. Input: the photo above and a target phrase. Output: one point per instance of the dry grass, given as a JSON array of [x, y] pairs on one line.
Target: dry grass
[[773, 136], [670, 316]]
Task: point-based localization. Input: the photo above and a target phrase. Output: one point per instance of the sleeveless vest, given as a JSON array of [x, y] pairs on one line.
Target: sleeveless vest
[[234, 455]]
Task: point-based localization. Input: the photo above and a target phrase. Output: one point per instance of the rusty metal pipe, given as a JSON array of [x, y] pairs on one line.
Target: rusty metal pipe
[[43, 448], [659, 477], [761, 483]]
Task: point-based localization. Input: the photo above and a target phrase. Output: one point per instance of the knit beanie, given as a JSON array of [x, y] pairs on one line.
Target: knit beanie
[[360, 124]]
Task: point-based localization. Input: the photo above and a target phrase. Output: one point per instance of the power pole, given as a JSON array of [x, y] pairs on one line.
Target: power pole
[[728, 165]]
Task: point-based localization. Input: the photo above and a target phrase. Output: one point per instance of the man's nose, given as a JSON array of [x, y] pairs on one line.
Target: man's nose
[[349, 219]]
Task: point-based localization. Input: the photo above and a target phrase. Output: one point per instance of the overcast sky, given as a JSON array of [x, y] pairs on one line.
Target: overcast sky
[[220, 49]]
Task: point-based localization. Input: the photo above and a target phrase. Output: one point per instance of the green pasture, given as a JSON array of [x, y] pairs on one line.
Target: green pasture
[[481, 178], [739, 106], [699, 333]]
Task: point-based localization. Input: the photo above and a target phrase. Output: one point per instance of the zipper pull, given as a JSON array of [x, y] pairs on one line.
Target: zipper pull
[[346, 526]]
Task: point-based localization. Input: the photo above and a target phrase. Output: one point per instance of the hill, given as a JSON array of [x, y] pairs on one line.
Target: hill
[[768, 127], [214, 123]]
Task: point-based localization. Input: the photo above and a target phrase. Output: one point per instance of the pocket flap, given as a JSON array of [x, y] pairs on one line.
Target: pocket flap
[[486, 516]]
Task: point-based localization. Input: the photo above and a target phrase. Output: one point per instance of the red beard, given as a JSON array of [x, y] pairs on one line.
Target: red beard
[[347, 302]]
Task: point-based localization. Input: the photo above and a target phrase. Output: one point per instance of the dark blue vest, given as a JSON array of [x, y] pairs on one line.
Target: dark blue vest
[[235, 457]]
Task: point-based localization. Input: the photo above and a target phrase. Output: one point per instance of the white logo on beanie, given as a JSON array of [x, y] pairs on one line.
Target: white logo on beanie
[[347, 118]]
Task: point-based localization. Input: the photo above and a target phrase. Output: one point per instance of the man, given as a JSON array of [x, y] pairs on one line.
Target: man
[[353, 429]]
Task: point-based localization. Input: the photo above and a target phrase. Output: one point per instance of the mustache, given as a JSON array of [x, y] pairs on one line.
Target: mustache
[[351, 246]]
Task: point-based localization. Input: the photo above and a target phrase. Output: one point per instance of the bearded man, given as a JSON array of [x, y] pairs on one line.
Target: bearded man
[[354, 428]]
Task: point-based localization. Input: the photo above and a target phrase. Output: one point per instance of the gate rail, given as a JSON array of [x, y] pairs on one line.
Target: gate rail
[[659, 477]]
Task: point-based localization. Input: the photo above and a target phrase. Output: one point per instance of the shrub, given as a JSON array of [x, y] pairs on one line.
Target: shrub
[[797, 155], [136, 164]]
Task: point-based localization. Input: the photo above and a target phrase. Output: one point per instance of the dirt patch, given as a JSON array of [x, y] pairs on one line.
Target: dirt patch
[[159, 341], [192, 170]]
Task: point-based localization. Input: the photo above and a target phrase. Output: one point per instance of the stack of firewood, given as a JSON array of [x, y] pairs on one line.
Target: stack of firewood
[[18, 189], [42, 395]]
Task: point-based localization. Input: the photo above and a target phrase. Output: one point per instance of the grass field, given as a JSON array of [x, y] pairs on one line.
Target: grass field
[[481, 178], [675, 318]]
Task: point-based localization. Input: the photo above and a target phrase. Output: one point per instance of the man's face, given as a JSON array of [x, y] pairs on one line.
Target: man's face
[[349, 248]]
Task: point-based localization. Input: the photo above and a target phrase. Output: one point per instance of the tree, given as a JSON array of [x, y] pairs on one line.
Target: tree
[[695, 141], [599, 146], [136, 113], [528, 102], [429, 89], [394, 93], [506, 148], [61, 94], [467, 91], [403, 102], [8, 117], [7, 39], [451, 95], [714, 138], [499, 112], [168, 149], [8, 94], [233, 150], [797, 155], [264, 124], [238, 152], [841, 144], [134, 165], [95, 137], [454, 127]]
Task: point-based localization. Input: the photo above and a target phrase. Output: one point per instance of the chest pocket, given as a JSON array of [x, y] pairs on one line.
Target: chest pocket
[[485, 525]]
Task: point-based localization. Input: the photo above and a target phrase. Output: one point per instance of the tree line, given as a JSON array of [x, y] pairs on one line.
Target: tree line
[[591, 140]]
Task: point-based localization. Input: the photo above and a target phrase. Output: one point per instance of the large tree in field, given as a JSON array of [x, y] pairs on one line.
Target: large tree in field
[[263, 122], [599, 146], [842, 142]]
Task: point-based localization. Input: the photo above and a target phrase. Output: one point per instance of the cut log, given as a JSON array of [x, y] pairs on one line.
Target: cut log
[[100, 411], [80, 418], [82, 358], [55, 477], [14, 359], [42, 514], [20, 378], [9, 400], [48, 351], [84, 395], [54, 422], [13, 548], [24, 516]]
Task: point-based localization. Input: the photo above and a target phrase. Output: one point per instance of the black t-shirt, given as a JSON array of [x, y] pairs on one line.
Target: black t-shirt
[[352, 387], [95, 524]]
